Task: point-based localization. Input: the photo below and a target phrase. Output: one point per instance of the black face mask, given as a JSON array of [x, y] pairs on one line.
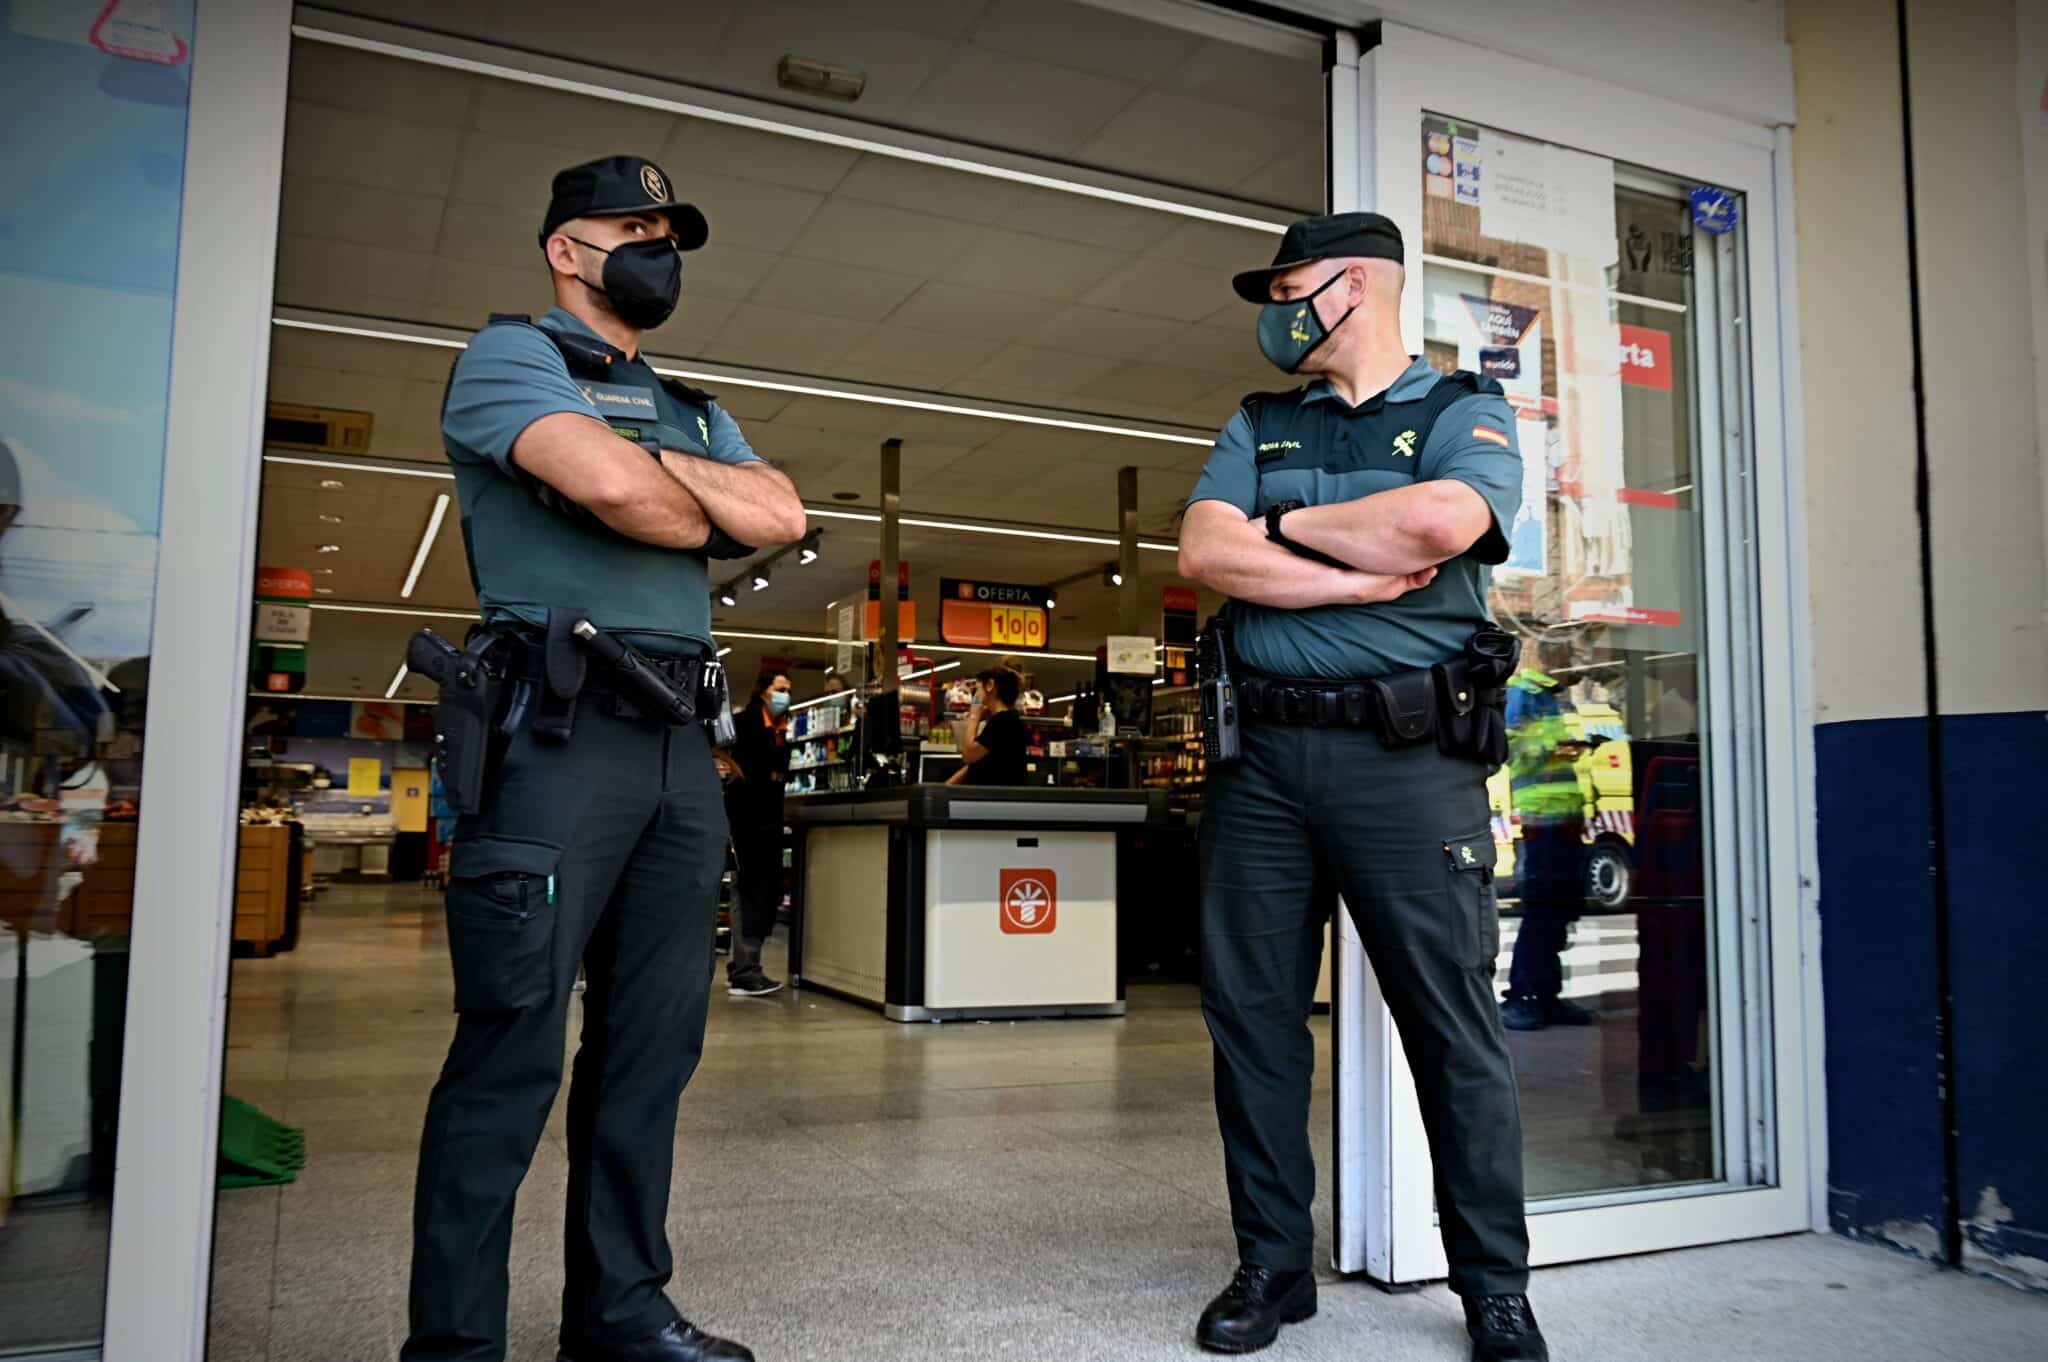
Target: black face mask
[[642, 280]]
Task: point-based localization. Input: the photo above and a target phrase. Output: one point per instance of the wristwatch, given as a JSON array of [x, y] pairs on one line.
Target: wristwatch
[[1274, 533]]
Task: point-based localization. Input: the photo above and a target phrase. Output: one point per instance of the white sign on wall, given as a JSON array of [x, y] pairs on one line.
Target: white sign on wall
[[277, 623], [1132, 655]]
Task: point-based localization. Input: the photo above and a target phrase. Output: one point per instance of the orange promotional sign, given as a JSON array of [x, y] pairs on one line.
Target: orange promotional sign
[[1030, 902]]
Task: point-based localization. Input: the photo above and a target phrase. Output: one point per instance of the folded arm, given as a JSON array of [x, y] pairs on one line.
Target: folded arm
[[613, 479], [1399, 531], [753, 502], [1225, 550]]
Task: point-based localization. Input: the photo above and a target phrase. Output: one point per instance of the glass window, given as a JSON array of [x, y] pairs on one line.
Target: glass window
[[91, 226], [1604, 300]]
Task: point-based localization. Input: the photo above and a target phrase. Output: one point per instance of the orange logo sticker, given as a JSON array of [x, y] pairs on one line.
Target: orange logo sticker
[[1030, 902]]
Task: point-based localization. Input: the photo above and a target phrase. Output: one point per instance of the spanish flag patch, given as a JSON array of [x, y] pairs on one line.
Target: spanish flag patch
[[1490, 435]]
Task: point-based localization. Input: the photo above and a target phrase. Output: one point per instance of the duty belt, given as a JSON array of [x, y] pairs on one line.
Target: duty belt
[[526, 661], [1309, 703]]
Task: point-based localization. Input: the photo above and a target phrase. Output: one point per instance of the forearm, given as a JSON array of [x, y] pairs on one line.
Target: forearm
[[754, 503], [578, 467], [1394, 532], [1239, 561]]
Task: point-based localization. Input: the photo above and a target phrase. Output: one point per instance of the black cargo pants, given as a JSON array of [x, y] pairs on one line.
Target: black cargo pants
[[1404, 837], [607, 851]]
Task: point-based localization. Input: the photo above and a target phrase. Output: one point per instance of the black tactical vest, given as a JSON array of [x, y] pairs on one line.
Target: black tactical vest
[[1319, 452]]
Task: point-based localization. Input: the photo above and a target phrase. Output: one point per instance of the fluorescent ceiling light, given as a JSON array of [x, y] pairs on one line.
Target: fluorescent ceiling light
[[411, 614], [392, 469], [330, 548], [419, 557], [726, 649], [929, 671], [397, 680], [346, 699], [727, 596], [761, 579]]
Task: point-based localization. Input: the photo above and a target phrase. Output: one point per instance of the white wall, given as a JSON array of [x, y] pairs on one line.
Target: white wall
[[1856, 355], [2030, 86], [1977, 263]]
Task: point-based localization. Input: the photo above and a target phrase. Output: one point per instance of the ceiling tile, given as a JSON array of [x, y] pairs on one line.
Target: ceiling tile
[[1188, 141], [1221, 350], [893, 353], [1153, 384], [988, 97], [582, 127], [1076, 217], [722, 270], [342, 78], [491, 234], [316, 349], [476, 291], [835, 290], [1036, 265], [1027, 366], [1288, 88], [689, 331], [700, 146], [1099, 331], [1216, 247], [510, 173], [1158, 288], [929, 189], [876, 236], [370, 149], [339, 211], [761, 216], [778, 338], [1085, 37], [337, 275], [970, 310], [1295, 179], [675, 42]]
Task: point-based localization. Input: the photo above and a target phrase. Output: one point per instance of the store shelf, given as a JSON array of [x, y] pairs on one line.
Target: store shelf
[[829, 733]]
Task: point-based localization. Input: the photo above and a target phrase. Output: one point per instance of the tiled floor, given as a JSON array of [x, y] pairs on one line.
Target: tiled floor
[[848, 1188]]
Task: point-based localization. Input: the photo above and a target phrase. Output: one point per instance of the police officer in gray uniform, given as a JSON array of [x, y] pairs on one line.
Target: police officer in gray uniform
[[1350, 523], [590, 487]]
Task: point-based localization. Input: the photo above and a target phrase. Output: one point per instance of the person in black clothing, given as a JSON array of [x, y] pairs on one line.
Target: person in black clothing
[[994, 755], [753, 806]]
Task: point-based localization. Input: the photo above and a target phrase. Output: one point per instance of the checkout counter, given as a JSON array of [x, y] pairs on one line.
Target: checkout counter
[[937, 902]]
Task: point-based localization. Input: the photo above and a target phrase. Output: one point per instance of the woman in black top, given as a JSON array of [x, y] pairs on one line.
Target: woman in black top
[[753, 806], [994, 754]]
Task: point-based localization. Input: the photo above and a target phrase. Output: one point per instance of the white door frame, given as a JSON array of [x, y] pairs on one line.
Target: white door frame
[[161, 1252], [1386, 1222]]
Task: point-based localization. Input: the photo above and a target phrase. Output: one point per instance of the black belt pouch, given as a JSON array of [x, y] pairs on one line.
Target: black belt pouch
[[1407, 707]]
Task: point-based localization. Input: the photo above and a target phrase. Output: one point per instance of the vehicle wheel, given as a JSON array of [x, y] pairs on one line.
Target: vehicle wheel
[[1608, 876]]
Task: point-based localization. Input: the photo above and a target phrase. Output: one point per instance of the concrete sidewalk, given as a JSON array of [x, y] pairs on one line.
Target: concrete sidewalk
[[1809, 1298]]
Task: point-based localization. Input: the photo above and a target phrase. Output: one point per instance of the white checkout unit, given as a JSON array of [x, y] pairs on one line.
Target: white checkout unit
[[937, 903]]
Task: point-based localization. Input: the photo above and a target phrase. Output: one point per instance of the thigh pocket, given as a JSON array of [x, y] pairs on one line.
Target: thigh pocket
[[1475, 914], [501, 922]]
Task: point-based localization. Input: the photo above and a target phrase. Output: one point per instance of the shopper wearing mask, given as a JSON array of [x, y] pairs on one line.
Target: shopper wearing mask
[[590, 486], [992, 736], [753, 805]]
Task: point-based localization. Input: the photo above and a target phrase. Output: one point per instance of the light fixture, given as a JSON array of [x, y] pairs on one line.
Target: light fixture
[[327, 519], [1112, 576], [813, 77], [323, 591], [846, 496], [930, 671], [397, 680], [761, 579], [727, 596], [330, 548], [726, 649], [1051, 602], [807, 551], [332, 484], [323, 572], [419, 557]]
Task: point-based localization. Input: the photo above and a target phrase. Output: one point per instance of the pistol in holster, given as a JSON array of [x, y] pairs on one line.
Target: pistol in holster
[[472, 682], [1471, 697]]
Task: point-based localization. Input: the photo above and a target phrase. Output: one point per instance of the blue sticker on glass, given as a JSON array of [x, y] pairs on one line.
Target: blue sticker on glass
[[1714, 211]]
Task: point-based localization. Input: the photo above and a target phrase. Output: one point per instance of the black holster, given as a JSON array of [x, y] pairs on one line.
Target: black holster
[[472, 681], [1471, 698], [563, 669]]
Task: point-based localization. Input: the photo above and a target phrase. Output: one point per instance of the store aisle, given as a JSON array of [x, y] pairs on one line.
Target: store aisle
[[848, 1189]]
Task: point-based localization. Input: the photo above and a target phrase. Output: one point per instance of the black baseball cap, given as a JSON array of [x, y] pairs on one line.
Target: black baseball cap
[[1332, 235], [614, 186]]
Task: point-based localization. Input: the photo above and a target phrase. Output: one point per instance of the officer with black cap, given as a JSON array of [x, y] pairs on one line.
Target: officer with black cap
[[592, 492], [1351, 523]]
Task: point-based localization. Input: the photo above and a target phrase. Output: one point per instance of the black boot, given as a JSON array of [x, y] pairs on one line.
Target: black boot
[[1503, 1329], [679, 1342], [1249, 1313]]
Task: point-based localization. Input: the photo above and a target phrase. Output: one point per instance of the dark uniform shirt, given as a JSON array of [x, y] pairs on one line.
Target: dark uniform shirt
[[526, 557], [1319, 451]]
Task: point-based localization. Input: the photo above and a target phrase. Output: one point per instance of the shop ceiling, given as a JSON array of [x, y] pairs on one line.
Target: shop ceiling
[[412, 194]]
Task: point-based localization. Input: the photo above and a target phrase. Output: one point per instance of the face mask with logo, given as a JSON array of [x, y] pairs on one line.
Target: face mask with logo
[[642, 280], [1289, 332], [778, 702]]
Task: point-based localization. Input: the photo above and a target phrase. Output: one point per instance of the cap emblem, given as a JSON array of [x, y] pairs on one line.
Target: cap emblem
[[651, 181]]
